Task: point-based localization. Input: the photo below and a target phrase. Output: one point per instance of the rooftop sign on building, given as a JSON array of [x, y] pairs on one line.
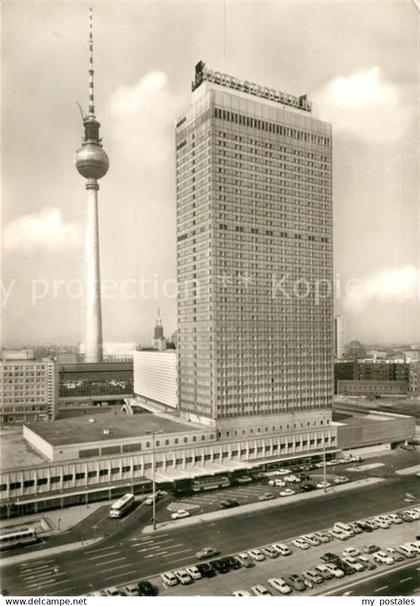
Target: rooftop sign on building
[[203, 73]]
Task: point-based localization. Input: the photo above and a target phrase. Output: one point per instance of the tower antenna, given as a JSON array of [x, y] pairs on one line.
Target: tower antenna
[[91, 110]]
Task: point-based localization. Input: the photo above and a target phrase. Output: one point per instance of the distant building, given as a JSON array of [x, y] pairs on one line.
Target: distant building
[[354, 350], [84, 384], [159, 341], [414, 378], [363, 377], [17, 354], [28, 388], [155, 376], [338, 337]]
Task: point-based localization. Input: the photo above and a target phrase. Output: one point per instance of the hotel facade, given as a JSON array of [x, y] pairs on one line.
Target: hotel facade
[[254, 237]]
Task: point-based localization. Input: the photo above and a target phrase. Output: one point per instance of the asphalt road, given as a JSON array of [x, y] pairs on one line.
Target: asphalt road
[[129, 555], [402, 581]]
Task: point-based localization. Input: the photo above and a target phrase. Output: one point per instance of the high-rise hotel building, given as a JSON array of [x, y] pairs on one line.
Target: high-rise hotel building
[[254, 246]]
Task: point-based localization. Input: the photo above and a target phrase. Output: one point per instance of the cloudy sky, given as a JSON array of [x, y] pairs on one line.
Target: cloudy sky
[[356, 60]]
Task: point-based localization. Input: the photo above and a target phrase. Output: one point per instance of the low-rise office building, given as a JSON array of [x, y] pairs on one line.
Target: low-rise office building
[[371, 387], [28, 388]]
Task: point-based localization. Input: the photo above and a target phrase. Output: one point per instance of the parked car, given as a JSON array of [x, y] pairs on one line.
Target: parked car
[[396, 519], [233, 562], [241, 593], [130, 590], [337, 533], [323, 484], [169, 579], [325, 571], [324, 537], [183, 577], [179, 514], [207, 552], [146, 588], [355, 528], [301, 543], [311, 539], [206, 570], [270, 551], [395, 555], [221, 565], [245, 560], [243, 479], [277, 482], [382, 557], [407, 550], [283, 549], [256, 554], [259, 590], [329, 557], [370, 549], [357, 565], [313, 576], [112, 591], [280, 584], [367, 563], [194, 572], [337, 572], [352, 552], [296, 582], [341, 480]]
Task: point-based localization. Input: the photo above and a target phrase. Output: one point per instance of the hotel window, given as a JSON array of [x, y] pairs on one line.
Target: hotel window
[[81, 476], [103, 472], [67, 477]]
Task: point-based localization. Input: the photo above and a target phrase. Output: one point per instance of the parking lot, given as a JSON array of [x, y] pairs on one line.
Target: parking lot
[[299, 561]]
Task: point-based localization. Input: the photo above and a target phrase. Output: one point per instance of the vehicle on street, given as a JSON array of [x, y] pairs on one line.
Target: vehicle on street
[[228, 503], [281, 472], [131, 589], [243, 479], [241, 593], [296, 582], [207, 552], [122, 506], [194, 572], [280, 584], [179, 514], [146, 588], [256, 554], [18, 537], [245, 560], [267, 496], [341, 480], [283, 549], [259, 590], [270, 551], [382, 557], [301, 543], [292, 478], [313, 576], [287, 492]]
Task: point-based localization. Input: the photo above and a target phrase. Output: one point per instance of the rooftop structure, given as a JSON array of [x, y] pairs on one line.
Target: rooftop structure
[[203, 73]]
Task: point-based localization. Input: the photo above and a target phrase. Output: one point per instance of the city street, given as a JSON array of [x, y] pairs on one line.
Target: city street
[[128, 555]]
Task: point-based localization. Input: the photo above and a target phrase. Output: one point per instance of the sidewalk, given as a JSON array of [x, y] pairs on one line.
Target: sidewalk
[[252, 507], [54, 520]]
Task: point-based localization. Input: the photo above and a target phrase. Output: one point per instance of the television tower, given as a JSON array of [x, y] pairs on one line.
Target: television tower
[[92, 163]]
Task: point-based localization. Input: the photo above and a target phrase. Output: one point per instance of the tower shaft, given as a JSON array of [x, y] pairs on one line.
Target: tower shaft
[[93, 351]]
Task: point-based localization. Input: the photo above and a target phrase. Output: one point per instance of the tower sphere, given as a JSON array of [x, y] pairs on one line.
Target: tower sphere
[[92, 161]]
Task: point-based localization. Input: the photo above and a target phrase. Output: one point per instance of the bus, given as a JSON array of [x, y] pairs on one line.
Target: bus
[[15, 538], [210, 483], [120, 507]]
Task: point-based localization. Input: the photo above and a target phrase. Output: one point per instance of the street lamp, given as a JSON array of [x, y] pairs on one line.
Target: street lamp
[[154, 474]]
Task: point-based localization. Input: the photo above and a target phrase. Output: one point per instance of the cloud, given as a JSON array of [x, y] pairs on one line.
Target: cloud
[[142, 118], [391, 286], [365, 105], [42, 230]]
